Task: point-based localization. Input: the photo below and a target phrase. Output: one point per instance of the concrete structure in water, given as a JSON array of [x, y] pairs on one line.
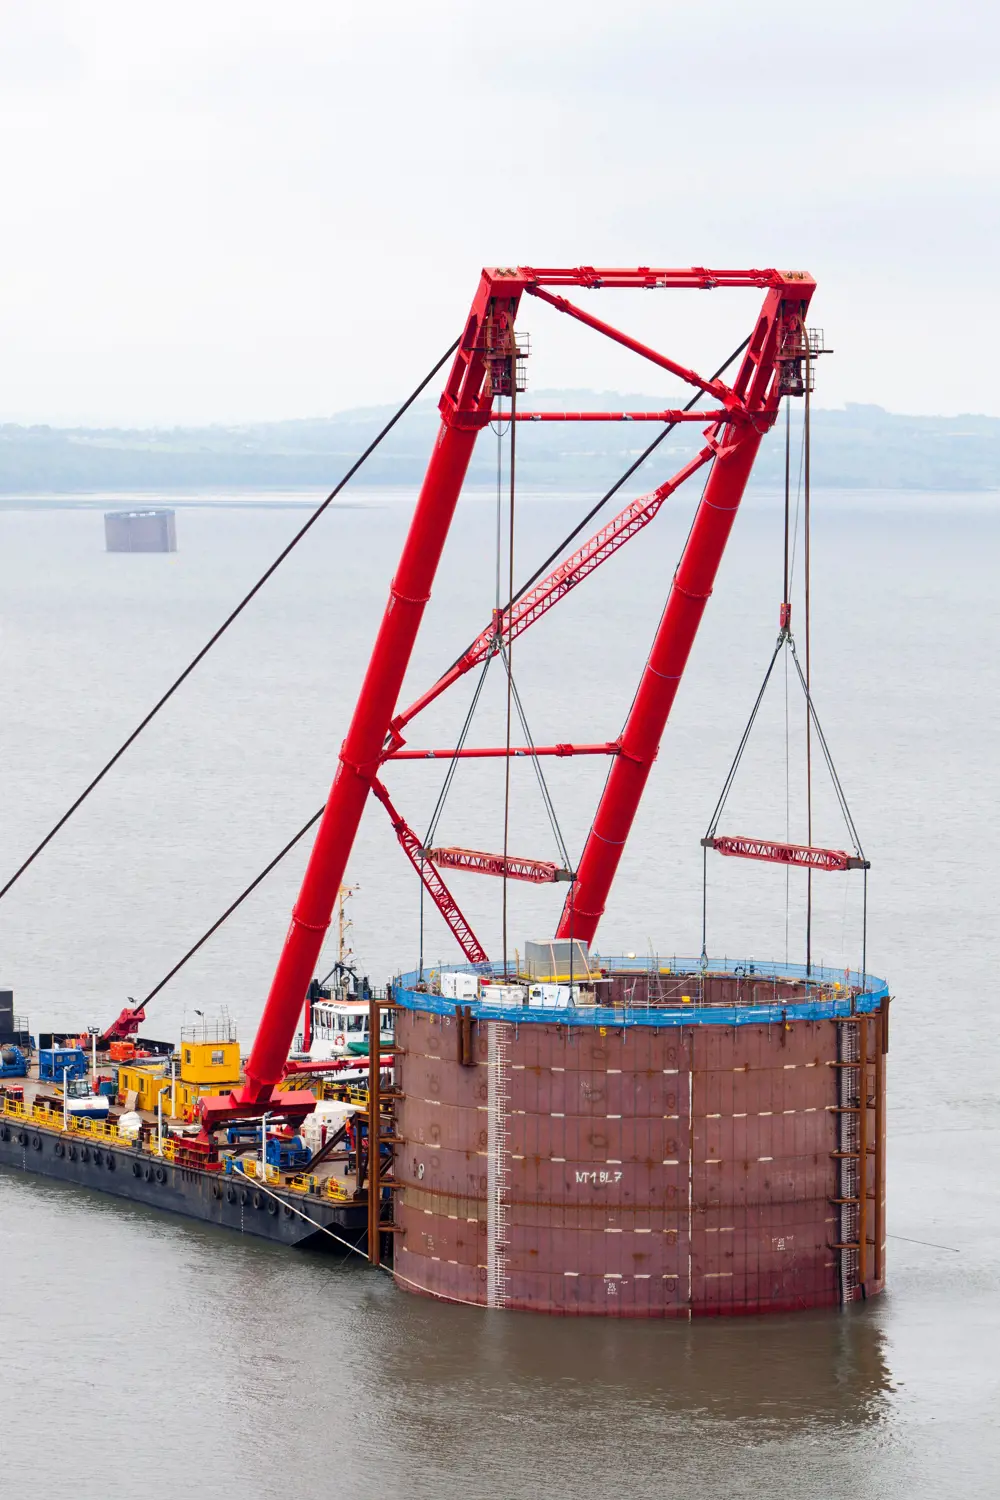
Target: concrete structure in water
[[706, 1143], [140, 531]]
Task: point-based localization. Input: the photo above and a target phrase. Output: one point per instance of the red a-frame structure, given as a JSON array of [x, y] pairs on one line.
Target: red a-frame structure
[[775, 363]]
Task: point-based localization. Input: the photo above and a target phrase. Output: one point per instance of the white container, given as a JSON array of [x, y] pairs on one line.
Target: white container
[[552, 996], [458, 986], [503, 994], [324, 1122]]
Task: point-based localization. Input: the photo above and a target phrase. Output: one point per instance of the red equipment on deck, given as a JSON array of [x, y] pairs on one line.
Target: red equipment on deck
[[126, 1024], [485, 367]]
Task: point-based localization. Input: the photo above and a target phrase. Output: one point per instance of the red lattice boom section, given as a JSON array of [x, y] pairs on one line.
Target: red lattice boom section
[[439, 893], [806, 855], [539, 871]]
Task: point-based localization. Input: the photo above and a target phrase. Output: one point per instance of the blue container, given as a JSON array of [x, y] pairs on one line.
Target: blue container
[[53, 1062]]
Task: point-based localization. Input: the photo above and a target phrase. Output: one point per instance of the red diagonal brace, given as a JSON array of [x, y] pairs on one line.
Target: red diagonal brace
[[548, 591], [433, 884], [715, 388]]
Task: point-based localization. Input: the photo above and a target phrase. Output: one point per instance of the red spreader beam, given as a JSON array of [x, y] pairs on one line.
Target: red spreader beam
[[538, 871], [807, 856], [485, 368]]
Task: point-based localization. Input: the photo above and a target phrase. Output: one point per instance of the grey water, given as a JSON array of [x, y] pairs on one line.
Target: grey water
[[145, 1351]]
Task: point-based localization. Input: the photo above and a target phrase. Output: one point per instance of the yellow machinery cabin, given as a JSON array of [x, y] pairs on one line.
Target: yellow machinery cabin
[[210, 1062], [141, 1086]]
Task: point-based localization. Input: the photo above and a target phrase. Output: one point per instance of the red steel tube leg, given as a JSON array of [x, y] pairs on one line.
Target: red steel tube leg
[[359, 756], [661, 677]]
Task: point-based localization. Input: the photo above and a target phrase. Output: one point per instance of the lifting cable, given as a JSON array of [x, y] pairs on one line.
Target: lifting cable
[[807, 597], [241, 606], [786, 639], [449, 777], [510, 643], [537, 763]]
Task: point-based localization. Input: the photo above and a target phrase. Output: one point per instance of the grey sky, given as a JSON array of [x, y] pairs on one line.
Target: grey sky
[[233, 209]]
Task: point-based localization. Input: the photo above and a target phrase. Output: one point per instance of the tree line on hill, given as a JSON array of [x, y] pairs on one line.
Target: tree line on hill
[[858, 447]]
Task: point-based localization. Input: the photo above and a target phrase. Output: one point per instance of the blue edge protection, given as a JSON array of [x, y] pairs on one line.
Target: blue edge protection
[[872, 993]]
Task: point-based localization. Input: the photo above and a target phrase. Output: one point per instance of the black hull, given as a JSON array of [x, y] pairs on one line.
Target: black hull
[[228, 1202]]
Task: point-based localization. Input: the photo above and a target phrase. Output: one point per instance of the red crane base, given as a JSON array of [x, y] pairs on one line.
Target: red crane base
[[291, 1104]]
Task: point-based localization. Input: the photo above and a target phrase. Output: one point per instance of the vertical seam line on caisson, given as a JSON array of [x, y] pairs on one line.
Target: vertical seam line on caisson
[[496, 1170]]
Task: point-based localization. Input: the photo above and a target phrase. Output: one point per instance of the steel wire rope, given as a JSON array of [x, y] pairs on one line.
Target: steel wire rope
[[786, 599], [232, 907], [827, 756], [443, 797], [536, 762], [787, 640], [453, 762], [501, 433], [230, 618], [807, 584], [263, 1188], [510, 644], [727, 788]]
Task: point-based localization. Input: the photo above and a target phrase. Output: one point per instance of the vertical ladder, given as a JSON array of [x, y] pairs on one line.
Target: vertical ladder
[[859, 1071], [497, 1166], [849, 1098]]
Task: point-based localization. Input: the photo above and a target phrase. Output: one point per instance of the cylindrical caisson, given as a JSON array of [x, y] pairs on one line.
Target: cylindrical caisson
[[724, 1154]]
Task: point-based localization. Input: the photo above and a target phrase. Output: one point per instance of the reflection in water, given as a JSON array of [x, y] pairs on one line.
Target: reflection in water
[[231, 1368], [827, 1367], [268, 1354]]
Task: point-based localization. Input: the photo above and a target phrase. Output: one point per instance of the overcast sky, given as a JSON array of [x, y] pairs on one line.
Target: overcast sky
[[235, 209]]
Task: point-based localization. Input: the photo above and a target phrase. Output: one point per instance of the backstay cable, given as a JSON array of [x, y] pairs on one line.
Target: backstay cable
[[230, 618]]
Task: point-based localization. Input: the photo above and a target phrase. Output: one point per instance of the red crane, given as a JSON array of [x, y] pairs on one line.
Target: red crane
[[774, 364]]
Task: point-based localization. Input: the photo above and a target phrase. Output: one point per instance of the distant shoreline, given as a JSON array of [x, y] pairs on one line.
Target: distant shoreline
[[306, 499], [856, 447]]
